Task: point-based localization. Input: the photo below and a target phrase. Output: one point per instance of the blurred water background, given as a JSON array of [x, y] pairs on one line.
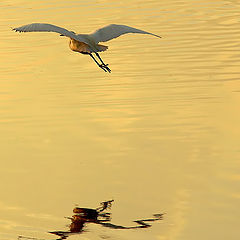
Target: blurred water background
[[158, 134]]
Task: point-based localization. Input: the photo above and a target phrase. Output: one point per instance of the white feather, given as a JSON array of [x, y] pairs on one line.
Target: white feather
[[46, 27], [113, 31]]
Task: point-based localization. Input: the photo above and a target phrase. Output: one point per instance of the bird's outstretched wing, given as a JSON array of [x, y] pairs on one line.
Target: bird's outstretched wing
[[113, 31], [46, 27]]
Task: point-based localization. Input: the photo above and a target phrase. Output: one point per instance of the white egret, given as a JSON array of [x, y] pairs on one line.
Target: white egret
[[86, 43]]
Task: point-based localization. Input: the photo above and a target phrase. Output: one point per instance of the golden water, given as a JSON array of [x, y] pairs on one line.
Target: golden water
[[158, 134]]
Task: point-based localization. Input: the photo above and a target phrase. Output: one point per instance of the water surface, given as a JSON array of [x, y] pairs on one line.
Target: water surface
[[158, 134]]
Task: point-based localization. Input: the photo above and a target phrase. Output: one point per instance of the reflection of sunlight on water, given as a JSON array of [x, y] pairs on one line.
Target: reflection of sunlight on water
[[160, 132], [179, 216], [5, 207], [97, 232]]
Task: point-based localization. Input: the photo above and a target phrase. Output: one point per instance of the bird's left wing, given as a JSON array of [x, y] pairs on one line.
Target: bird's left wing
[[113, 31], [46, 27]]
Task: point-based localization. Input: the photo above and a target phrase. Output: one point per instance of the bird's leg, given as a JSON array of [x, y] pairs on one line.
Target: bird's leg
[[102, 67], [103, 64]]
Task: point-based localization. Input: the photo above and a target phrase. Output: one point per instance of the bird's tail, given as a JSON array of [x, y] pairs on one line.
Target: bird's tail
[[101, 48]]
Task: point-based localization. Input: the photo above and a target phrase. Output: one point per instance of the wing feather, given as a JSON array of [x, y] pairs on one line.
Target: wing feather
[[113, 31], [46, 27]]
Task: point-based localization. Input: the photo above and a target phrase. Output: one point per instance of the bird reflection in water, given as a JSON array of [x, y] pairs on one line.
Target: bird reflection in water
[[86, 215], [99, 216]]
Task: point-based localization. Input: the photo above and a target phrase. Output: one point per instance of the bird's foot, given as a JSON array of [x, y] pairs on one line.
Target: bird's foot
[[105, 67], [158, 216], [102, 68]]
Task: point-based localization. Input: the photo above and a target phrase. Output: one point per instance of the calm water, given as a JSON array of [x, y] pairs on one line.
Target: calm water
[[158, 134]]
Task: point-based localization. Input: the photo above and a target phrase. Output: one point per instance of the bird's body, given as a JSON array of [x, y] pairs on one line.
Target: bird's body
[[84, 48], [86, 43], [80, 47]]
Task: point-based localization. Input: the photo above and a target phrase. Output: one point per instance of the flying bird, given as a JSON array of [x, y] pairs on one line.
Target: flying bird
[[86, 43]]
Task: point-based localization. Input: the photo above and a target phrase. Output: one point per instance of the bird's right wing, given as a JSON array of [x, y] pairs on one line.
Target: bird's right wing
[[46, 27], [113, 31]]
